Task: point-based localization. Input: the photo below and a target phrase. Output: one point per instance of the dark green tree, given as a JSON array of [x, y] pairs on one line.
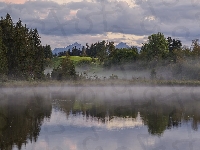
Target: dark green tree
[[47, 52], [3, 58], [122, 57], [101, 49], [156, 48], [21, 50], [48, 55], [195, 48], [38, 55], [111, 48], [65, 71], [173, 44], [7, 26]]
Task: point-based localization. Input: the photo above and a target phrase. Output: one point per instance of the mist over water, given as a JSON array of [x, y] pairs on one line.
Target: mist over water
[[120, 73], [97, 117], [127, 93]]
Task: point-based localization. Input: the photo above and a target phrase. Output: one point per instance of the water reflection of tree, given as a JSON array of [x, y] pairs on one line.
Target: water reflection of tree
[[22, 117], [94, 108], [192, 113], [162, 115], [157, 115]]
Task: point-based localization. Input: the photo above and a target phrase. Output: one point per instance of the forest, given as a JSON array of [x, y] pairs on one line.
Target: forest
[[23, 57]]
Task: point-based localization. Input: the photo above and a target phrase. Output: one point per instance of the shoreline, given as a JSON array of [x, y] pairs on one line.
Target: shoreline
[[107, 82]]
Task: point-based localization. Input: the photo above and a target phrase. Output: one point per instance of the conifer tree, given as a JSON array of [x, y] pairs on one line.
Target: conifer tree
[[21, 50], [3, 58]]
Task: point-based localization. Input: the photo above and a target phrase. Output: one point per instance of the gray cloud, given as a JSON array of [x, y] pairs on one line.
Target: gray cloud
[[180, 19]]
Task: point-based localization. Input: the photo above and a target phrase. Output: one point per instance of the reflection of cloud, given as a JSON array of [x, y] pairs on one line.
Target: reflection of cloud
[[117, 122], [80, 120], [69, 144], [41, 145]]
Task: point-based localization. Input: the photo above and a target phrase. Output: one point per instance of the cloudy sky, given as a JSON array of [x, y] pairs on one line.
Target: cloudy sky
[[63, 22]]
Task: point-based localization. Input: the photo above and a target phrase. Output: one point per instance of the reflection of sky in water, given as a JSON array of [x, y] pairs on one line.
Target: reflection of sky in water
[[79, 133], [76, 132], [80, 120]]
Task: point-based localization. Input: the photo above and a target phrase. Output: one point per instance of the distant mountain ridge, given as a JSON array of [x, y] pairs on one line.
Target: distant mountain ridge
[[79, 46], [69, 47], [122, 45]]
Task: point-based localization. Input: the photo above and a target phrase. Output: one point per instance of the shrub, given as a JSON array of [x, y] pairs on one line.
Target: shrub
[[84, 63], [65, 71]]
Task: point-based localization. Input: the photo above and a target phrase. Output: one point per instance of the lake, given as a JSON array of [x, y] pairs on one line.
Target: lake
[[100, 118]]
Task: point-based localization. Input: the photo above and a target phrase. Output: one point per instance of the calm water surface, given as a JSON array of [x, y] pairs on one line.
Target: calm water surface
[[100, 118]]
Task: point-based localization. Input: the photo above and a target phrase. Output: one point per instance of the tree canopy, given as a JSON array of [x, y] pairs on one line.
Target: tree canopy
[[22, 54], [156, 48]]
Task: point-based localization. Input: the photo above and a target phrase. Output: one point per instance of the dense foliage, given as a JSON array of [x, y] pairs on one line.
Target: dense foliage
[[158, 53], [21, 54], [21, 118], [156, 48], [65, 71]]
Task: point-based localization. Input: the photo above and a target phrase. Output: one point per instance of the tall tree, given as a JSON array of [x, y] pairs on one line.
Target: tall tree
[[38, 54], [48, 55], [3, 58], [21, 50], [83, 51], [8, 40], [156, 48], [196, 48], [174, 47], [101, 49], [110, 47], [47, 52], [173, 44]]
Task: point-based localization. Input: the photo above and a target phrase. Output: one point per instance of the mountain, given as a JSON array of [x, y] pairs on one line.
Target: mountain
[[121, 45], [58, 50], [78, 46], [69, 47]]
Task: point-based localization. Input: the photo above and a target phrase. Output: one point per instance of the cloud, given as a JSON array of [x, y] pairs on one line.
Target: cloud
[[14, 1], [179, 19]]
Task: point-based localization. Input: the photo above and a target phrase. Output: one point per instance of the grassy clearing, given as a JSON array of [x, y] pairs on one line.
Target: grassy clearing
[[78, 58], [75, 59]]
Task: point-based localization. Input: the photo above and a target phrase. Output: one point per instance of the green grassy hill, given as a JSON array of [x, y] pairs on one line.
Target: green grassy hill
[[75, 59]]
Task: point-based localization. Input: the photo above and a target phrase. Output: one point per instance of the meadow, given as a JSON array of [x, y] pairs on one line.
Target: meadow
[[57, 60]]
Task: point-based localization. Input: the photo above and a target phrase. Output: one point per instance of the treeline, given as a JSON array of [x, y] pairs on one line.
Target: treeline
[[22, 56], [158, 48], [157, 115], [164, 57], [74, 52], [168, 54], [158, 52]]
